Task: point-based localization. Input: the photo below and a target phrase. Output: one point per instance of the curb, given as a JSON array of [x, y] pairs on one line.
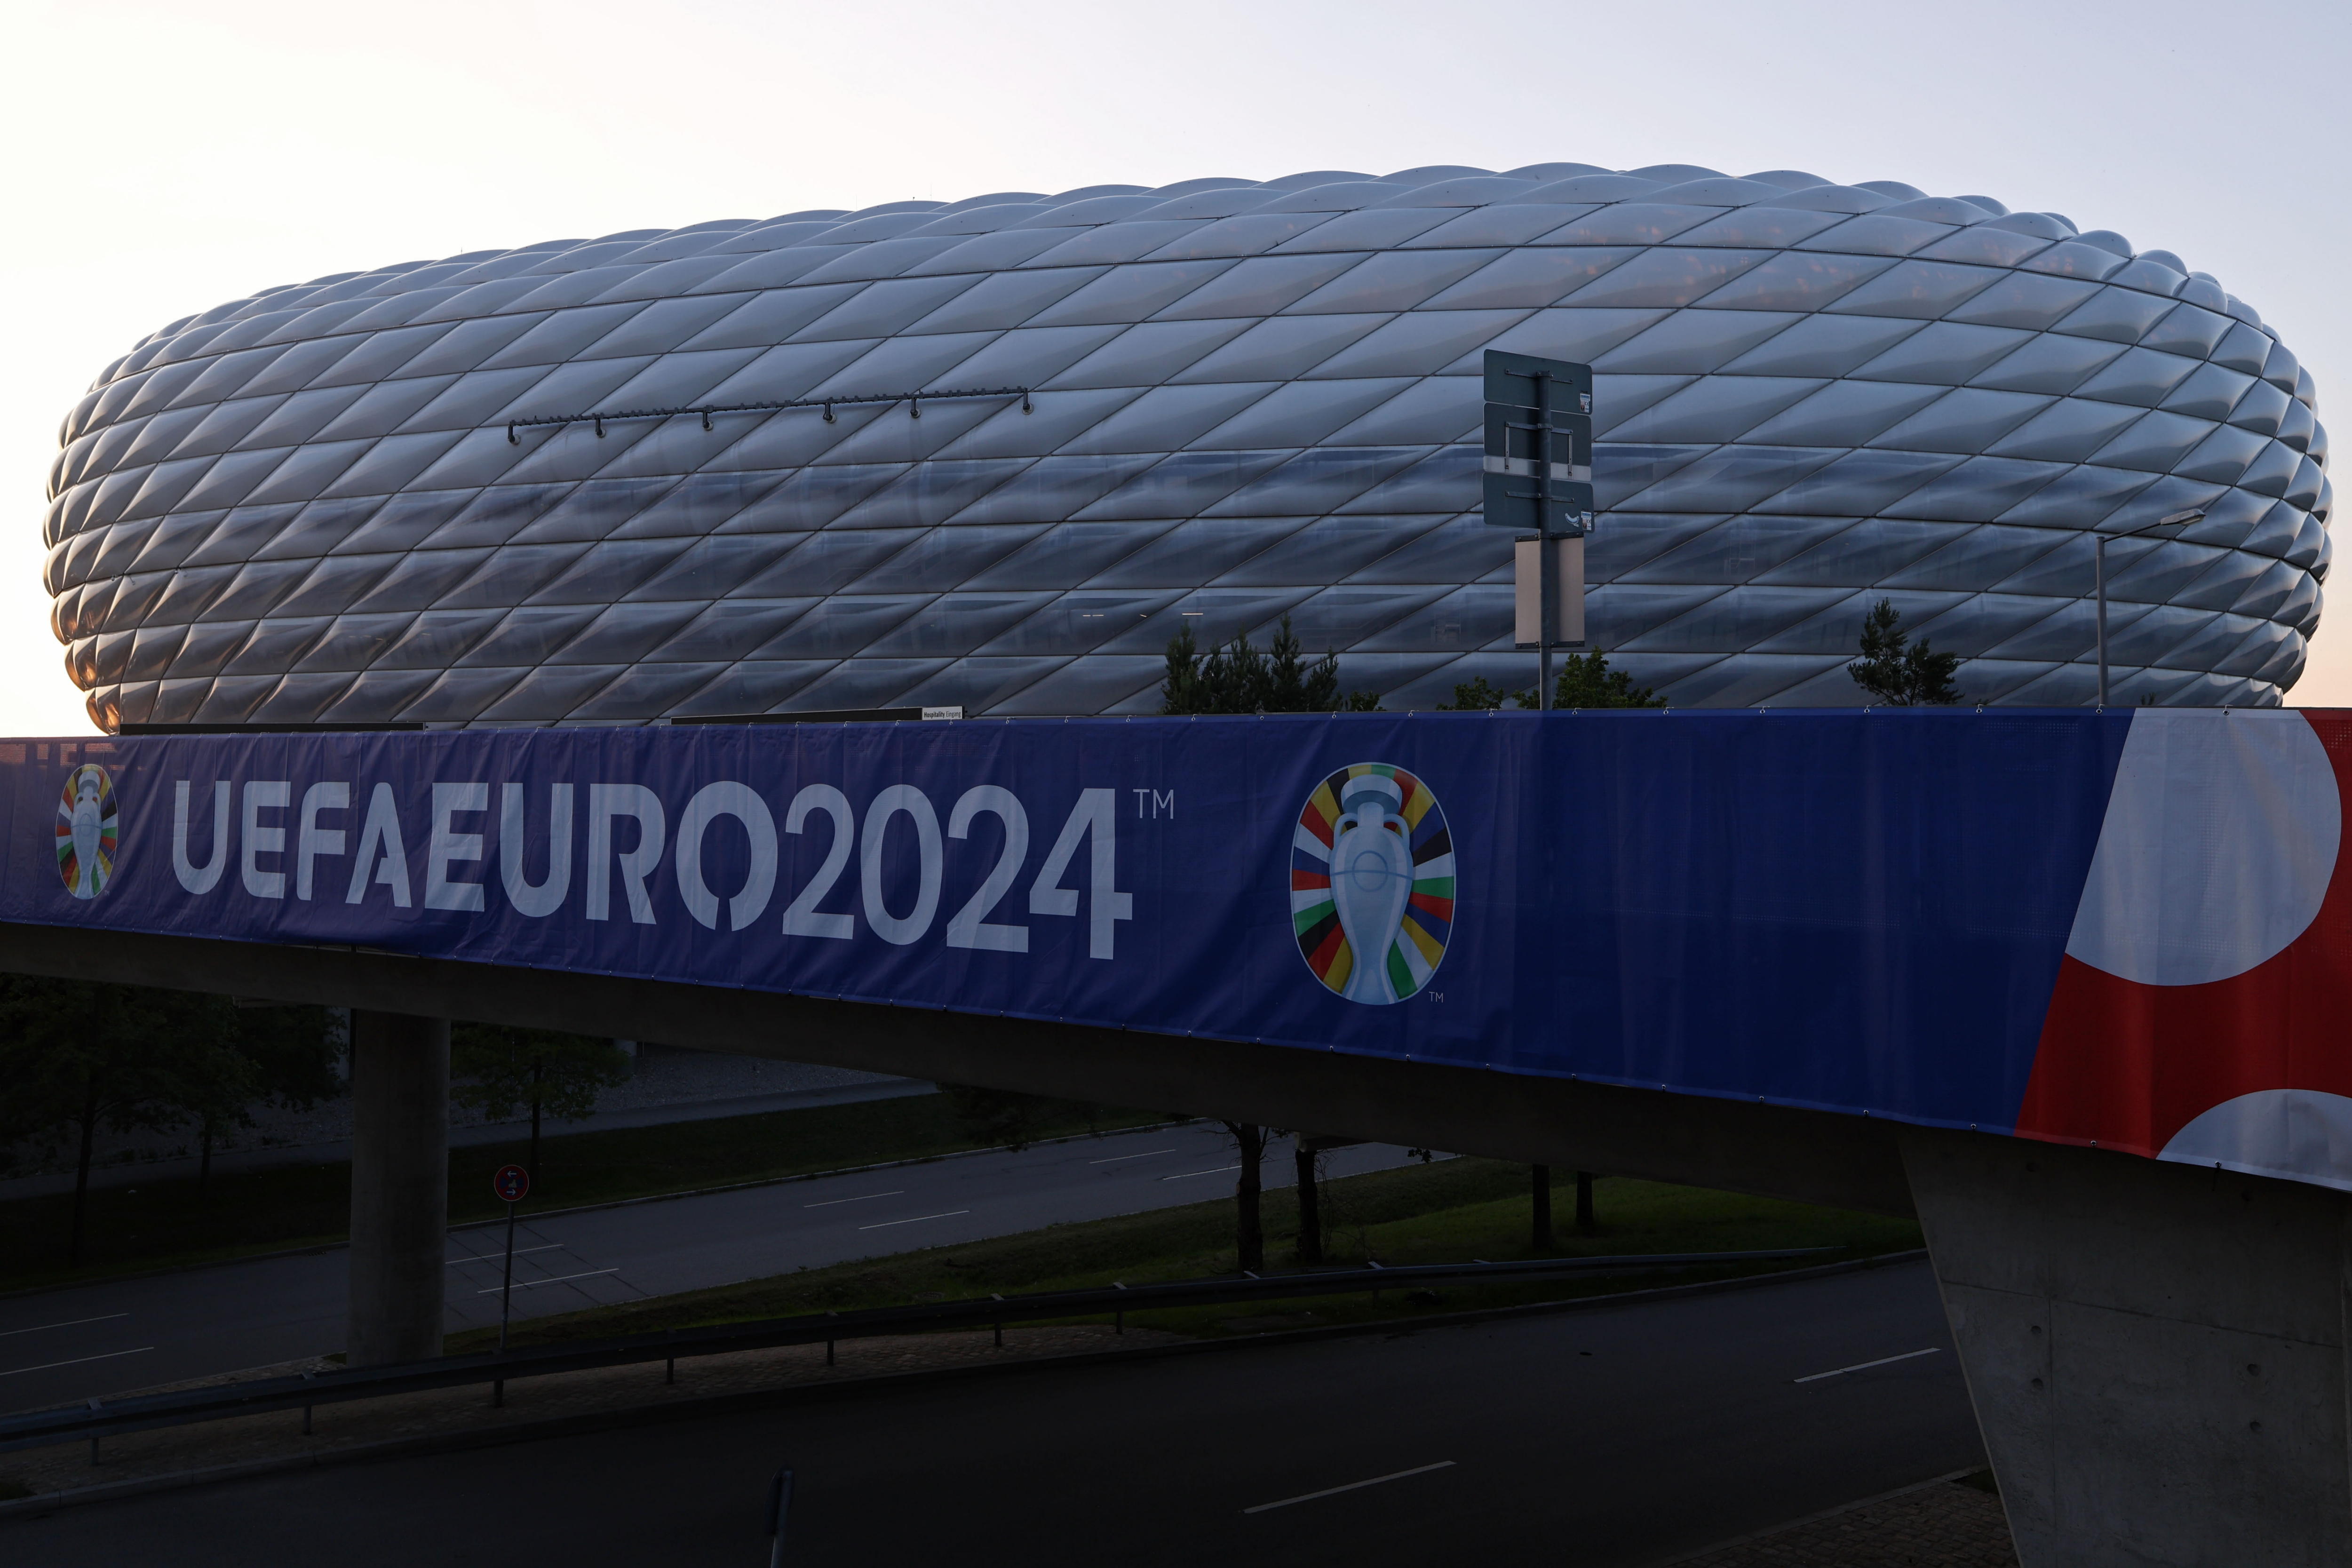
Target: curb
[[314, 1249], [757, 1399], [1770, 1531]]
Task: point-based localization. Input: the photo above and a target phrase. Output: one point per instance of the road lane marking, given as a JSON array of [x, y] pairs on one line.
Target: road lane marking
[[884, 1225], [495, 1257], [860, 1199], [1351, 1486], [1866, 1366], [557, 1280], [69, 1324], [51, 1366], [1116, 1159], [1218, 1171]]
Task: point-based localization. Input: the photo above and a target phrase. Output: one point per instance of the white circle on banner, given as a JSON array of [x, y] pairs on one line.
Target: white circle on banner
[[2301, 1134], [2218, 841]]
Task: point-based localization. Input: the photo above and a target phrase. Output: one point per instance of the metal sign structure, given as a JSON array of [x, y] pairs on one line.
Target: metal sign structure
[[512, 1184], [1538, 479]]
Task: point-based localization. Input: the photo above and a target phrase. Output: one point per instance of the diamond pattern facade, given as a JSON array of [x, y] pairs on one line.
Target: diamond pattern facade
[[1253, 399]]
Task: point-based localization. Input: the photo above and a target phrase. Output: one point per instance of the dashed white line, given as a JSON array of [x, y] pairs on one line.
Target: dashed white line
[[1120, 1158], [500, 1257], [884, 1225], [1353, 1486], [69, 1324], [556, 1279], [861, 1197], [50, 1366], [1218, 1171], [1866, 1366]]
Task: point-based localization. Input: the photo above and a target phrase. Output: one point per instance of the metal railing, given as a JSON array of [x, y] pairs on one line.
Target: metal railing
[[96, 1418], [913, 400]]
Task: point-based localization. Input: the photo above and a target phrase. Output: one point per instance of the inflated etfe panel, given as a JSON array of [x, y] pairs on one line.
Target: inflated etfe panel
[[1246, 400]]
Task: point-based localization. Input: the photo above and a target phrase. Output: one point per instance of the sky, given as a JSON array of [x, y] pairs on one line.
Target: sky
[[164, 158]]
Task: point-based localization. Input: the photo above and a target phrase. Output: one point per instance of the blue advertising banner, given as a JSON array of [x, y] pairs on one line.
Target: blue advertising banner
[[1853, 911]]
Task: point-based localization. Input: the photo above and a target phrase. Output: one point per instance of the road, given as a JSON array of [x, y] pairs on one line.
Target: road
[[1615, 1436], [59, 1346]]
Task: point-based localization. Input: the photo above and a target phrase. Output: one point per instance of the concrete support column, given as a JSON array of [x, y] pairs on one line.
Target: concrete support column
[[400, 1187], [2156, 1350]]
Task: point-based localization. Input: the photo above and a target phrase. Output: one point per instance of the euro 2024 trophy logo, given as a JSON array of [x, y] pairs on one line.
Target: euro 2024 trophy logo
[[1372, 883], [86, 830]]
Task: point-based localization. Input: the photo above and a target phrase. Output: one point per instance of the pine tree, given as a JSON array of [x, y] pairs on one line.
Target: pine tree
[[1240, 679], [1586, 681], [1899, 672]]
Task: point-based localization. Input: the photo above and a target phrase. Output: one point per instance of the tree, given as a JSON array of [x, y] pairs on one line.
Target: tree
[[1901, 676], [1240, 679], [255, 1054], [220, 1081], [1477, 697], [78, 1057], [1307, 1162], [505, 1069], [1249, 1231], [81, 1056], [1586, 682]]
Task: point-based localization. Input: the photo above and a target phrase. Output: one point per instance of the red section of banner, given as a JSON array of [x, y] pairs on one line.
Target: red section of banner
[[2127, 1066]]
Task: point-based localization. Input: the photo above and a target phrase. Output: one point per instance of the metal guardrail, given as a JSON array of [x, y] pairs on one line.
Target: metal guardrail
[[140, 1413]]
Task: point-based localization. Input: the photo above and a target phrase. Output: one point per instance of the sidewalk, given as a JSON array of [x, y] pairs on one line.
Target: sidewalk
[[337, 1150], [1944, 1524]]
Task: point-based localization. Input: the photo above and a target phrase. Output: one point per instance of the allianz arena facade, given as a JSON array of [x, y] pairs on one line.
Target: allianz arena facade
[[1246, 400]]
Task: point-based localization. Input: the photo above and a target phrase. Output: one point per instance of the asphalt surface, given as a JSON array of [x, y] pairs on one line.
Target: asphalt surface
[[61, 1346], [1620, 1435]]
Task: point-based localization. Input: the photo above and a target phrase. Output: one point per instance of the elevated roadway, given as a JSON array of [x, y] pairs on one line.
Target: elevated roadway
[[2069, 986]]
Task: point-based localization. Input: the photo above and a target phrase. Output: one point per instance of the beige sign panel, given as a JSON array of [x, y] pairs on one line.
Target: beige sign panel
[[1567, 591]]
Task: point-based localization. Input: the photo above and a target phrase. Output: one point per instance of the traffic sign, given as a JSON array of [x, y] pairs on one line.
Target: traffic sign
[[1538, 444], [512, 1182]]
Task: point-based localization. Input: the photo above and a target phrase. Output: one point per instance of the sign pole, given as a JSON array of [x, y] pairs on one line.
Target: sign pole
[[512, 1184], [1545, 569], [506, 1287]]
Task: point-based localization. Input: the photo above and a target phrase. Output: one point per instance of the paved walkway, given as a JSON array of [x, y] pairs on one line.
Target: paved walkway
[[1946, 1524], [335, 1150]]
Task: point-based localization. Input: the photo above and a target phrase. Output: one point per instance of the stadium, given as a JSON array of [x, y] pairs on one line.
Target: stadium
[[670, 473]]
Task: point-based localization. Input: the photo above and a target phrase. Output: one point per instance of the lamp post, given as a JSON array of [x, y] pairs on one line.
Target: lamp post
[[2099, 577]]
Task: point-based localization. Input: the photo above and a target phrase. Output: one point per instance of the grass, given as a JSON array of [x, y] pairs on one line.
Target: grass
[[1450, 1212], [12, 1489], [167, 1223]]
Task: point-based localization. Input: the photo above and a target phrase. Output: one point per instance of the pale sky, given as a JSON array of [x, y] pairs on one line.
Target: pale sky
[[164, 158]]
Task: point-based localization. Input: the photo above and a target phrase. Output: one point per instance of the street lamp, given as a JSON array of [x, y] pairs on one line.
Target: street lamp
[[2099, 569]]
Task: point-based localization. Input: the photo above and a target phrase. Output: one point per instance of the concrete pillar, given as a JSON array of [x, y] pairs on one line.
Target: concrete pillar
[[400, 1187], [2156, 1350]]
